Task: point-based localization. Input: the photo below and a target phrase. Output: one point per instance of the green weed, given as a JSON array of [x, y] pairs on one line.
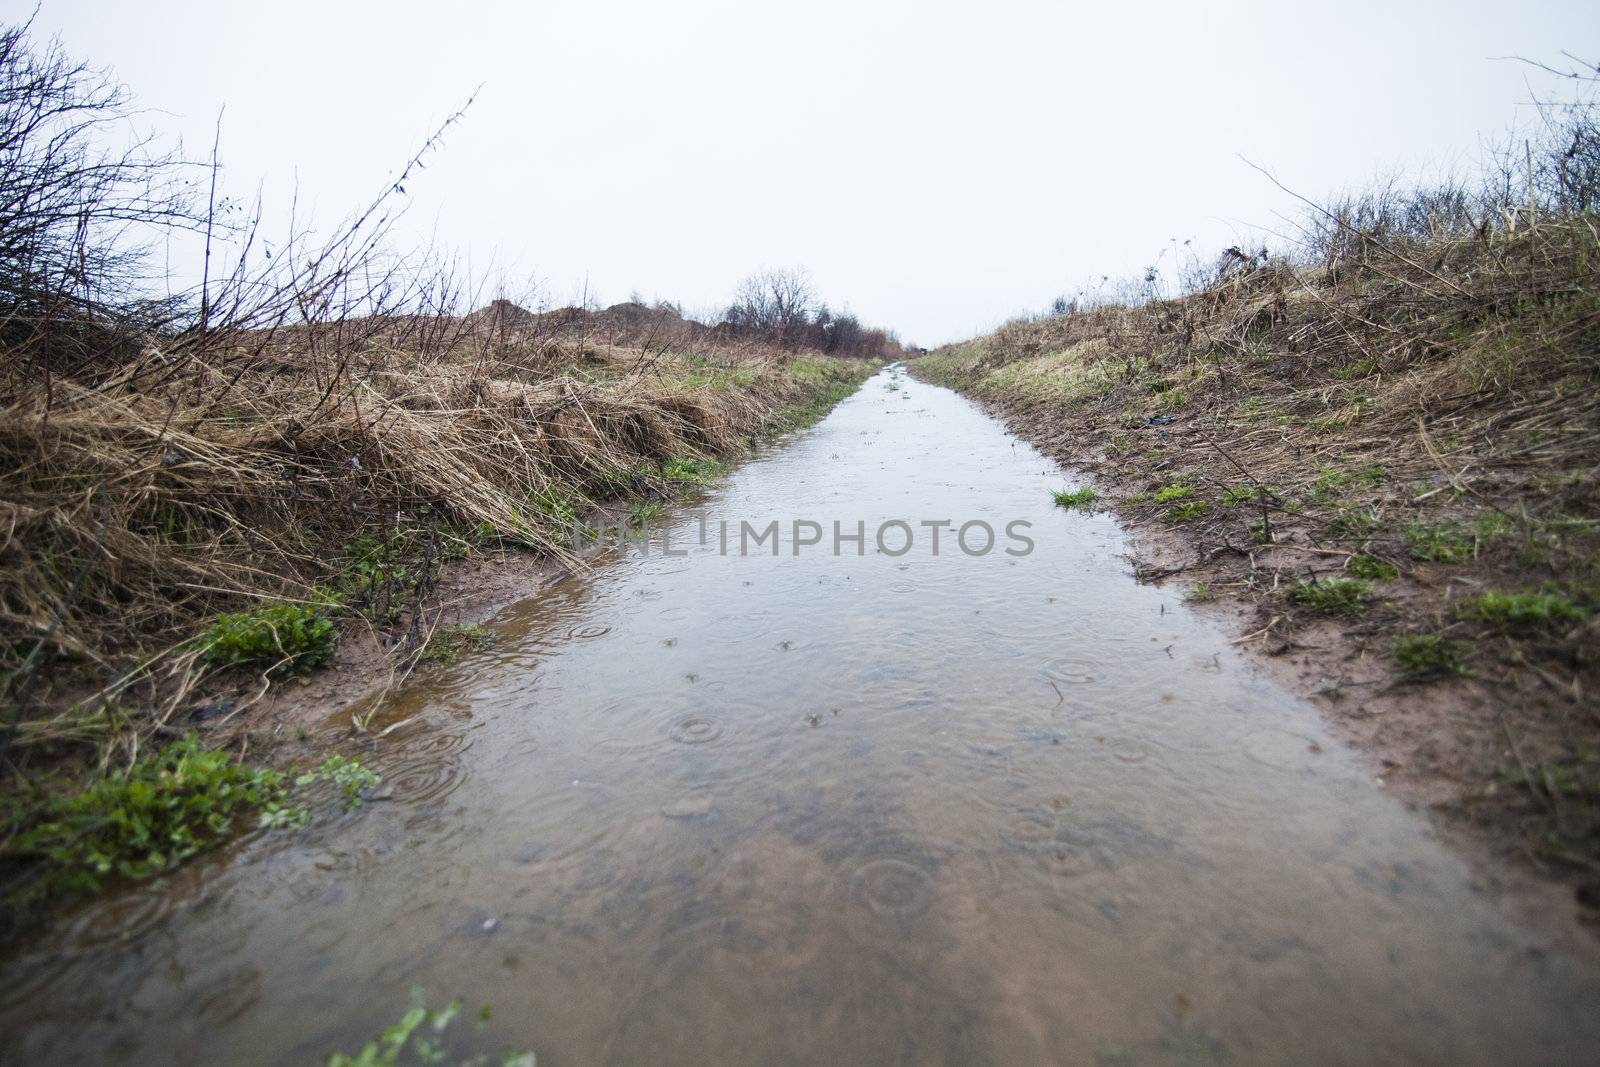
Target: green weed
[[424, 1036], [142, 821], [1174, 492], [1374, 569], [1428, 656], [1074, 498], [450, 643], [1188, 511], [380, 568], [644, 513], [1200, 593], [693, 470], [345, 772], [1331, 596], [147, 819], [558, 506], [1524, 610], [280, 637], [1453, 542], [1235, 495]]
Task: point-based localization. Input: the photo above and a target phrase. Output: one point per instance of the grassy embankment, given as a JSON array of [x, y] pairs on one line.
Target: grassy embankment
[[1385, 444], [227, 517]]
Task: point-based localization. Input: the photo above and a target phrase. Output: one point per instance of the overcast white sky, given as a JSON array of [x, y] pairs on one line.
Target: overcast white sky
[[937, 166]]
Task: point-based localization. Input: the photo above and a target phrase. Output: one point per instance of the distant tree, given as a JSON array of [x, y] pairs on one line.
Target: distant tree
[[774, 302]]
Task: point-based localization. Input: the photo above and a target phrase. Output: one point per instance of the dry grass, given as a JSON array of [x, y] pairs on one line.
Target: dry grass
[[139, 502]]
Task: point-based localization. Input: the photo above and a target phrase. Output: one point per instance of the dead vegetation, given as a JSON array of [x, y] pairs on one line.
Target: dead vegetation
[[1386, 439], [142, 502]]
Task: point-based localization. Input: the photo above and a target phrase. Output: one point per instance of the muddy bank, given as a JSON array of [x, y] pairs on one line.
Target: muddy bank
[[1494, 753]]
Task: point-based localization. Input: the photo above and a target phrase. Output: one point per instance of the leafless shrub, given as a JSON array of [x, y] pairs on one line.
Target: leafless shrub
[[73, 211]]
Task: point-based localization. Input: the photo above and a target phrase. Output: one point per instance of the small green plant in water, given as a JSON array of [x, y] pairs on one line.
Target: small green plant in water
[[280, 638], [1373, 569], [450, 643], [425, 1036], [347, 774], [146, 819], [1331, 596], [1200, 593], [1074, 498], [1524, 611], [693, 470], [1428, 656], [645, 513]]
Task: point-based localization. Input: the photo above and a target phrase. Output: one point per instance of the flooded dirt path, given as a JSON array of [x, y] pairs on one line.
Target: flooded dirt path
[[837, 809]]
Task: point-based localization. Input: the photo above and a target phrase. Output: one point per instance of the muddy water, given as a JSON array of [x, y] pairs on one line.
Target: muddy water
[[829, 809]]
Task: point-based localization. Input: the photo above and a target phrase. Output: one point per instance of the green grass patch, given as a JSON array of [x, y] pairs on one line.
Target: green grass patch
[[1373, 569], [1074, 498], [1524, 611], [1199, 593], [1453, 542], [1439, 543], [279, 638], [1171, 493], [1575, 777], [1420, 656], [450, 643], [1188, 511], [825, 382], [1331, 596], [1235, 495], [1330, 482], [1071, 376], [692, 470], [1354, 522]]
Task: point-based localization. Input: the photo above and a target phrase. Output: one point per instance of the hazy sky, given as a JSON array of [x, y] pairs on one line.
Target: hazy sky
[[937, 166]]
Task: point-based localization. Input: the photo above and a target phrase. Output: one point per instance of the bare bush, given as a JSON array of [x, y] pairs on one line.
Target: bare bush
[[75, 213]]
